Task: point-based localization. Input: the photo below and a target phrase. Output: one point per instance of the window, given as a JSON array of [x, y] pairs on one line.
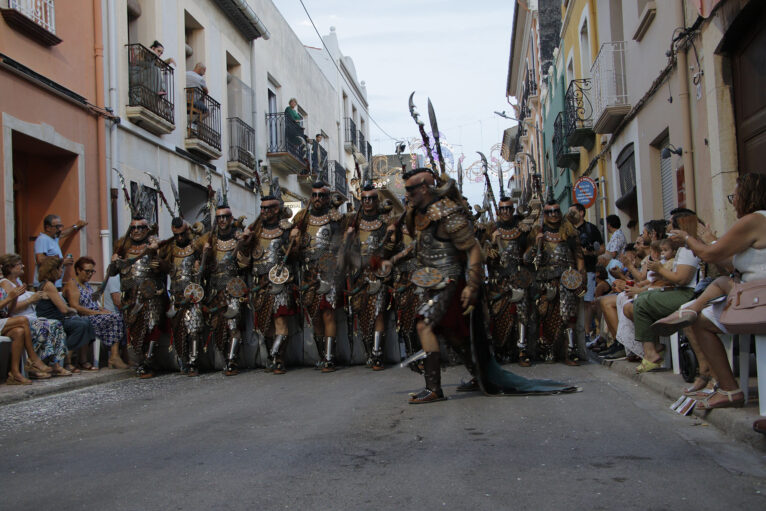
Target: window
[[667, 178], [626, 167]]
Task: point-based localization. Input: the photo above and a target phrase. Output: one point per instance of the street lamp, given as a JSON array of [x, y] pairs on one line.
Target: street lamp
[[527, 122]]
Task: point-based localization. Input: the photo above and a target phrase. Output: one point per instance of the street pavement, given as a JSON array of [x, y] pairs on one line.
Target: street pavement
[[349, 440]]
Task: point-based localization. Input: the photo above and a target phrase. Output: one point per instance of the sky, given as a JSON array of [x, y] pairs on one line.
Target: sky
[[454, 52]]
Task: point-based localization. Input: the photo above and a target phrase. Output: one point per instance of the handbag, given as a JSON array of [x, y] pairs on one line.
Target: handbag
[[745, 310]]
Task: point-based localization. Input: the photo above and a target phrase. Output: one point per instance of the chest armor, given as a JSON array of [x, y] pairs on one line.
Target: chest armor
[[509, 247], [272, 248], [320, 230], [139, 271], [371, 236], [436, 253], [556, 256], [225, 262], [182, 273]]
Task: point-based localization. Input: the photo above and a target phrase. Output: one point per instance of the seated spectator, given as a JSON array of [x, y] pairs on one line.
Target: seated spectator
[[650, 306], [108, 325], [617, 241], [17, 328], [47, 341], [196, 107], [743, 248], [79, 331]]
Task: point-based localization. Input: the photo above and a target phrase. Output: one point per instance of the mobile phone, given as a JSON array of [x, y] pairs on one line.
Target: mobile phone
[[69, 256]]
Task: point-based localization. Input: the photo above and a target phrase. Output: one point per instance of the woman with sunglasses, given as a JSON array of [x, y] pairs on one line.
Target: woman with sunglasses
[[108, 325]]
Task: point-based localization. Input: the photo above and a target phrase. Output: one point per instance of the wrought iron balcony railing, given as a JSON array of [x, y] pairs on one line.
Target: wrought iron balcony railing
[[204, 117], [565, 156], [339, 183], [241, 142], [350, 128], [42, 12], [361, 143], [578, 113], [150, 82], [610, 88], [530, 85], [285, 136]]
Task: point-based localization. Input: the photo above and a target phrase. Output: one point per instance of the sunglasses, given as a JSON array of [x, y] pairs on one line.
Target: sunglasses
[[139, 227], [505, 208], [320, 195], [730, 198], [369, 199], [89, 272], [58, 226], [223, 217], [556, 211], [268, 208]]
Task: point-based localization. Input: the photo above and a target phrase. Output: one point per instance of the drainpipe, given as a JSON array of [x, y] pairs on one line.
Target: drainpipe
[[686, 120], [98, 50], [106, 241]]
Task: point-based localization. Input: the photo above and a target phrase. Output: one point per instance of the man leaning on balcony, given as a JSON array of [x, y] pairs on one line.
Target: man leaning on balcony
[[195, 79]]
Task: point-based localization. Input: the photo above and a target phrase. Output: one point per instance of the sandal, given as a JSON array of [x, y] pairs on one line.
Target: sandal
[[40, 366], [87, 366], [72, 369], [676, 321], [705, 404], [12, 380], [700, 383], [61, 372], [647, 367]]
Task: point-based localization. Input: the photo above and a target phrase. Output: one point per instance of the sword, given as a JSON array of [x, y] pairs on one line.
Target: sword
[[420, 355], [435, 133]]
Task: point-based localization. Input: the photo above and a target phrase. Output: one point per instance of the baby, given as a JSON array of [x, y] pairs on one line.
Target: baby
[[658, 251], [667, 253]]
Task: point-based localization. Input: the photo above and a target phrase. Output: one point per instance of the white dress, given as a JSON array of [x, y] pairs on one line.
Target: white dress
[[751, 264]]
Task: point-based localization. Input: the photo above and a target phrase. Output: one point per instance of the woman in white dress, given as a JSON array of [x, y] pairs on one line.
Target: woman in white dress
[[742, 248]]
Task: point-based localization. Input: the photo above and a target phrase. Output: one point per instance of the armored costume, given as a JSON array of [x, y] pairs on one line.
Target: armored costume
[[226, 289], [319, 236], [508, 281], [559, 261], [405, 299], [183, 257], [368, 289], [272, 278]]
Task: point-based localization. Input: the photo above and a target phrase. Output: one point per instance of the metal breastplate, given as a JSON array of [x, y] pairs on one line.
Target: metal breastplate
[[321, 241], [182, 273], [137, 272], [430, 251], [510, 253], [556, 259], [371, 241], [226, 263], [272, 250]]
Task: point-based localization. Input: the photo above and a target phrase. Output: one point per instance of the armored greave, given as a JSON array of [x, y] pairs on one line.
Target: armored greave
[[230, 368], [432, 371], [193, 358], [146, 368], [573, 354], [275, 356], [328, 364], [522, 342], [377, 351]]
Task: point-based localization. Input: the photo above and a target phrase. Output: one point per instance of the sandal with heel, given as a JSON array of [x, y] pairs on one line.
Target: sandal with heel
[[705, 404]]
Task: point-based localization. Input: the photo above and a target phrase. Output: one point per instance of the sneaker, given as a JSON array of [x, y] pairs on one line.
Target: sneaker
[[614, 348], [617, 355]]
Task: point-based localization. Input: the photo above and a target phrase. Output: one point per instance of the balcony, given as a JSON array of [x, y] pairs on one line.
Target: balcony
[[287, 146], [566, 157], [610, 90], [151, 91], [350, 135], [530, 86], [203, 124], [362, 145], [578, 115], [339, 183], [241, 161], [34, 18], [319, 164]]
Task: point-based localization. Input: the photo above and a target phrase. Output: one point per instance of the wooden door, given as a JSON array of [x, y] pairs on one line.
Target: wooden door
[[749, 73]]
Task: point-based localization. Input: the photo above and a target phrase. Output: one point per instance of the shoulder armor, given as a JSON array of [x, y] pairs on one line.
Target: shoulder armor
[[454, 222], [442, 208], [335, 215], [285, 224]]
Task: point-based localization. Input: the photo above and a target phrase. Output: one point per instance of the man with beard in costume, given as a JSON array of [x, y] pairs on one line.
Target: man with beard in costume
[[267, 241], [317, 235], [558, 257], [183, 258], [142, 285], [445, 247], [507, 284], [225, 287], [368, 292]]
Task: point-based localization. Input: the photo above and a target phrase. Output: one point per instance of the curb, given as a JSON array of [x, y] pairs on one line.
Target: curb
[[40, 388], [736, 423]]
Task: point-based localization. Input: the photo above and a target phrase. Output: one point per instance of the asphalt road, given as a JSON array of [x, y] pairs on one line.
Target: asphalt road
[[348, 440]]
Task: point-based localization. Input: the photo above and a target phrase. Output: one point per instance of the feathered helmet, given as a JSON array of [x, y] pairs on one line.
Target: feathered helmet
[[274, 195], [140, 203]]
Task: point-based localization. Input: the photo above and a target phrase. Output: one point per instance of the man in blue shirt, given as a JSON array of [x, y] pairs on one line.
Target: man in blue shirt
[[47, 243]]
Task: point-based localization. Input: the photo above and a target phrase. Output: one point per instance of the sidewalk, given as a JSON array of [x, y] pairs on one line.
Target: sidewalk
[[736, 423], [15, 393]]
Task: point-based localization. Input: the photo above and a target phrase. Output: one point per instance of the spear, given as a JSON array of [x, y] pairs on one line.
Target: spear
[[423, 133], [491, 194], [435, 133], [460, 175]]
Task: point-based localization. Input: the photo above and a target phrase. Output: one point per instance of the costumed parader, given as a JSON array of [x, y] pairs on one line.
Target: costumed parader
[[508, 282], [272, 275], [557, 256], [226, 289], [184, 259], [367, 288], [449, 276], [142, 282], [317, 237]]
